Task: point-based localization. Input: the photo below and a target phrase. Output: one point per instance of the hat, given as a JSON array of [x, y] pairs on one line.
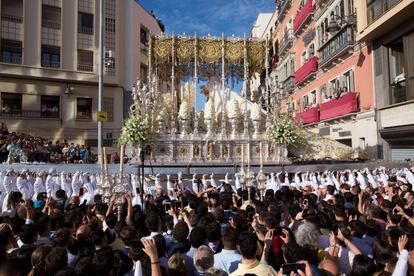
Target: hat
[[52, 170]]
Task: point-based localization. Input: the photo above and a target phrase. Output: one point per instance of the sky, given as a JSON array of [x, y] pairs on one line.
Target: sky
[[203, 17], [208, 16]]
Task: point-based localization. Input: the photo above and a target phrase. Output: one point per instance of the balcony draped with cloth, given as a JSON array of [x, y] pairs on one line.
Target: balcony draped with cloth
[[338, 107], [311, 66], [308, 116], [303, 15]]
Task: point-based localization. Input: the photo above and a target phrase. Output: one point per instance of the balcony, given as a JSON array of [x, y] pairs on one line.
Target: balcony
[[273, 61], [85, 67], [308, 116], [308, 69], [379, 7], [283, 8], [29, 114], [303, 16], [337, 45], [51, 24], [12, 18], [338, 107], [285, 43], [288, 85], [85, 30]]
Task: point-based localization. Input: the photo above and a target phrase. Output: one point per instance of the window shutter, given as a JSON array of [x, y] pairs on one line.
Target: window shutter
[[351, 81]]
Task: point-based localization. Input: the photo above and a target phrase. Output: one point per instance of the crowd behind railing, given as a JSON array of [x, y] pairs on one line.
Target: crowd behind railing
[[26, 148], [346, 222]]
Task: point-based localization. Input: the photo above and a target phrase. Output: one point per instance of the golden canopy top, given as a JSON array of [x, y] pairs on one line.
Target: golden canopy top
[[183, 50]]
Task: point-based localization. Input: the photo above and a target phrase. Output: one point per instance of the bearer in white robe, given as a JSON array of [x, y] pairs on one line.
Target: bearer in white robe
[[24, 186]]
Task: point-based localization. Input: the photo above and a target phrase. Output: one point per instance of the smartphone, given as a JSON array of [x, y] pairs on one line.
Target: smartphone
[[167, 206], [292, 267], [305, 202], [250, 216]]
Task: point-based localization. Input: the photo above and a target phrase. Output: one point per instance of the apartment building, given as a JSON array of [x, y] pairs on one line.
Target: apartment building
[[388, 25], [49, 56], [324, 73]]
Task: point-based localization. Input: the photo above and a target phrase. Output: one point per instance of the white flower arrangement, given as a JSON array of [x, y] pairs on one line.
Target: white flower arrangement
[[234, 109], [183, 112], [209, 110], [136, 129], [284, 132], [255, 112]]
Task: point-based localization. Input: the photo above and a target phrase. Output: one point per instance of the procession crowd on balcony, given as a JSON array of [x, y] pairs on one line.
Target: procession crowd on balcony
[[26, 148], [346, 222]]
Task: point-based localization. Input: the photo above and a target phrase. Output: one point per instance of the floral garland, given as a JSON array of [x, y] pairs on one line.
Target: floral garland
[[284, 132], [136, 129]]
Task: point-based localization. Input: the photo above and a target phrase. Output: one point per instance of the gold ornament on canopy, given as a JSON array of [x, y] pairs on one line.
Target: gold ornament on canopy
[[185, 50], [210, 50], [162, 49], [234, 51]]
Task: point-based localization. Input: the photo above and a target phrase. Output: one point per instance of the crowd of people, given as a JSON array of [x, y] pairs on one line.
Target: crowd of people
[[356, 223], [26, 148]]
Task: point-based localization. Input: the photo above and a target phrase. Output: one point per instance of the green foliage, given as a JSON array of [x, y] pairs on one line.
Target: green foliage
[[136, 129]]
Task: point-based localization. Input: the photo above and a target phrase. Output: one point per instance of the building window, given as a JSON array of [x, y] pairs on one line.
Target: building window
[[11, 51], [85, 60], [144, 36], [333, 86], [84, 108], [11, 103], [311, 50], [376, 8], [348, 81], [108, 107], [85, 23], [305, 102], [49, 106], [314, 99], [303, 58], [12, 10], [144, 72], [50, 56], [397, 71], [324, 96], [51, 17]]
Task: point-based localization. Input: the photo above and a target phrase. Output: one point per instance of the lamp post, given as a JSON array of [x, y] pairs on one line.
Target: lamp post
[[100, 74]]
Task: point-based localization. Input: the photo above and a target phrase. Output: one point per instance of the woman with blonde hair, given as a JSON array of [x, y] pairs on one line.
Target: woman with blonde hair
[[38, 261]]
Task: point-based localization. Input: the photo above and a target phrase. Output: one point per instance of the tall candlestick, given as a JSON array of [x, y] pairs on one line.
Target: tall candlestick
[[121, 162], [261, 156], [242, 154], [248, 155], [105, 161]]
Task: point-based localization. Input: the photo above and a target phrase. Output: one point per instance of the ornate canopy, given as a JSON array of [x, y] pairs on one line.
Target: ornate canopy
[[207, 54]]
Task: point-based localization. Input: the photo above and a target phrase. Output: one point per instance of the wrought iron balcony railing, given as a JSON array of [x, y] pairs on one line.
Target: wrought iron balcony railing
[[377, 8], [288, 85], [285, 43], [283, 7], [85, 67], [337, 45], [51, 24], [12, 18], [85, 30], [29, 114]]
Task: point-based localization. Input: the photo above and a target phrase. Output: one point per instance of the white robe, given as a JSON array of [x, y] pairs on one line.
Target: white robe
[[65, 185], [25, 187], [51, 187], [39, 187], [89, 195]]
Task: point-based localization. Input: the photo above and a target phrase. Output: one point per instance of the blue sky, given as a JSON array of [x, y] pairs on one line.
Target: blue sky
[[208, 16]]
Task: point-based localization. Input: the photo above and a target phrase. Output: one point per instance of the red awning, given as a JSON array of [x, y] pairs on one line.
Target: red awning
[[344, 105], [307, 117]]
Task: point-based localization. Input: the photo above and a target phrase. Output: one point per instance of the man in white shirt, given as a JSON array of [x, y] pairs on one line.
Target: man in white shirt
[[228, 259]]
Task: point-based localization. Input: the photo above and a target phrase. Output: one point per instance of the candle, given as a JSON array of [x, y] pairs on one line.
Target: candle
[[248, 155], [121, 161], [104, 160], [261, 156]]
